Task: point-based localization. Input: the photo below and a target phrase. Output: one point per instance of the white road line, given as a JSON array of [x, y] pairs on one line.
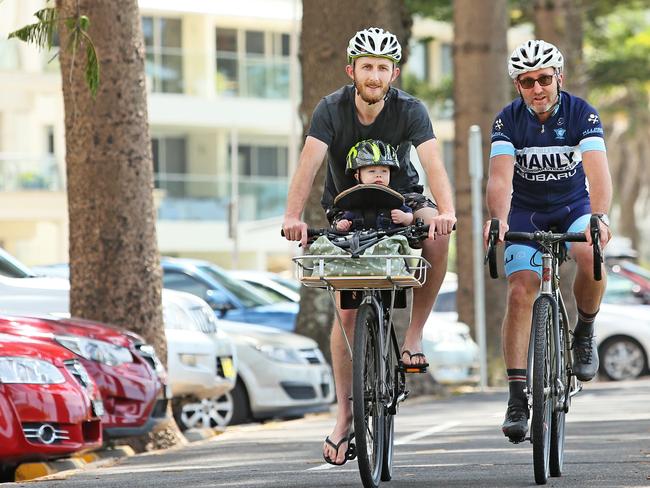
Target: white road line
[[404, 440], [432, 430]]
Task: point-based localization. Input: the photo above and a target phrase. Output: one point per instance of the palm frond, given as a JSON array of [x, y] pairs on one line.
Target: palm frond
[[40, 33]]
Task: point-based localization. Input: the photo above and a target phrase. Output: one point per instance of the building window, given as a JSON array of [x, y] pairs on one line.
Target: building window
[[264, 161], [252, 63], [170, 164], [418, 62], [446, 60], [164, 62], [49, 139]]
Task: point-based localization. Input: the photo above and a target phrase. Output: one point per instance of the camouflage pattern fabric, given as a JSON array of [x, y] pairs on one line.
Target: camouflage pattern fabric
[[347, 266]]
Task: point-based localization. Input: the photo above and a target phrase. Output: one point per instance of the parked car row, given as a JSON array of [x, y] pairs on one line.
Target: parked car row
[[273, 372]]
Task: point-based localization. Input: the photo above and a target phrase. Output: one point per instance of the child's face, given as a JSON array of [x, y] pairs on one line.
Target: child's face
[[379, 175]]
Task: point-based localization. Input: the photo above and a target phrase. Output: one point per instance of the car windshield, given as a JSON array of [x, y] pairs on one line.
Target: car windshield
[[12, 268], [269, 293], [293, 285], [244, 292], [621, 290]]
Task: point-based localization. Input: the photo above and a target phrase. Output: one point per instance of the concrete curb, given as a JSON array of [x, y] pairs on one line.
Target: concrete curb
[[31, 471], [194, 435]]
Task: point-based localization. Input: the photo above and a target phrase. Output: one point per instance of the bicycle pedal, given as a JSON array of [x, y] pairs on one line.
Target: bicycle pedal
[[518, 440], [412, 369]]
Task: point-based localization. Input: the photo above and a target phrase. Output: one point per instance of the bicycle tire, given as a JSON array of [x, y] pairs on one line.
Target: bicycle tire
[[368, 410], [392, 379], [558, 423], [542, 387]]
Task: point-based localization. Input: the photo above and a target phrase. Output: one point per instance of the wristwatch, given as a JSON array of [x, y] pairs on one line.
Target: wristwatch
[[602, 217]]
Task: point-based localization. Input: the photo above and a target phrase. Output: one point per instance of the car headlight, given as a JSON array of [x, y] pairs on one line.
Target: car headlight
[[149, 352], [280, 354], [94, 350], [175, 317], [28, 370]]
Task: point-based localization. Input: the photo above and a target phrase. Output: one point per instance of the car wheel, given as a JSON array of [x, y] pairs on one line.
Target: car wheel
[[241, 404], [193, 413], [622, 358]]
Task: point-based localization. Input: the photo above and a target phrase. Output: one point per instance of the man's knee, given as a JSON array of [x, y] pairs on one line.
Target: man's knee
[[522, 289], [436, 250]]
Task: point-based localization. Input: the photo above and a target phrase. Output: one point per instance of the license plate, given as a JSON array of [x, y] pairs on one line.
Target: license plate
[[228, 369], [98, 407]]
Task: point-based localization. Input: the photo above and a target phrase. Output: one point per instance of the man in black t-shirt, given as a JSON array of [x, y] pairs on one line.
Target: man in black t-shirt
[[371, 109]]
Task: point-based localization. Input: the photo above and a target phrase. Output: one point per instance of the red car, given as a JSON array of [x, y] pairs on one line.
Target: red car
[[130, 378], [49, 405], [635, 273]]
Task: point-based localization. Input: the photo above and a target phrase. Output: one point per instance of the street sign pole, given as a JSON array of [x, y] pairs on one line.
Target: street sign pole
[[476, 176]]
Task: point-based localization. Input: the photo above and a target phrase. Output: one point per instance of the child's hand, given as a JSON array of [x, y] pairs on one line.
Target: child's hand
[[343, 225], [400, 217]]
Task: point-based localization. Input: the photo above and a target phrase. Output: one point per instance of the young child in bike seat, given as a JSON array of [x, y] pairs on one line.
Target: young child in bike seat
[[372, 162]]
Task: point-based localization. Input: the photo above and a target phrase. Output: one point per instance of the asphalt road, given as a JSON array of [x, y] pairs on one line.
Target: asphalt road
[[451, 442]]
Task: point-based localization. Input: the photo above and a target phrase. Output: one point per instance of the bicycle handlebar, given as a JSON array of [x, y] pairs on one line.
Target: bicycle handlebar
[[357, 241], [545, 238]]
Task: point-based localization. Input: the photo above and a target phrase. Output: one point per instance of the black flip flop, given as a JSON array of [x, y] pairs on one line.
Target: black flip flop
[[350, 452], [413, 368]]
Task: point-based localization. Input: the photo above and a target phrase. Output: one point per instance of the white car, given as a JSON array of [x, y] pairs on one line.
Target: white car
[[452, 354], [272, 285], [200, 376], [622, 330], [280, 374]]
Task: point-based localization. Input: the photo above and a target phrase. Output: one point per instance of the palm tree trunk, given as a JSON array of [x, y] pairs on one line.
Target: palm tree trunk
[[480, 92], [114, 262]]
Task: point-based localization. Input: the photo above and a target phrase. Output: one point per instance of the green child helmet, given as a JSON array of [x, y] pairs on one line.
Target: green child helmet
[[371, 152]]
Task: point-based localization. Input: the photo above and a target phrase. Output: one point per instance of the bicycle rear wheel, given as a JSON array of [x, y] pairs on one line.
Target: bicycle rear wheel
[[559, 413], [368, 409], [542, 388]]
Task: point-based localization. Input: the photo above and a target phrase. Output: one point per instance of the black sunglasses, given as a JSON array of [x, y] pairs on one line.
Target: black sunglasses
[[543, 80]]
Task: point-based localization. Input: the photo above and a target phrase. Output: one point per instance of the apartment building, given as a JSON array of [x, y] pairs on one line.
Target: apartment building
[[223, 91]]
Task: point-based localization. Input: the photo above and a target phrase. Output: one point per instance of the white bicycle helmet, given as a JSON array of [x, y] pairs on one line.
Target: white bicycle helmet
[[374, 42], [533, 55]]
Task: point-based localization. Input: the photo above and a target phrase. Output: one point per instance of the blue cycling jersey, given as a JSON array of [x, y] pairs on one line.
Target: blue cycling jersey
[[548, 156]]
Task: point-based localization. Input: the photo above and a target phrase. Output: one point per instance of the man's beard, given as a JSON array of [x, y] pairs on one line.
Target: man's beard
[[370, 99]]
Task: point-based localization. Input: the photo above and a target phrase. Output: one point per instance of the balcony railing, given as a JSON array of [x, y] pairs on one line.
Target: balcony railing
[[208, 197], [20, 173]]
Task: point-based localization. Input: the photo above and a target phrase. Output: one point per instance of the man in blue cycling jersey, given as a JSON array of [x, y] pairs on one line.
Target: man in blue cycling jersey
[[548, 168]]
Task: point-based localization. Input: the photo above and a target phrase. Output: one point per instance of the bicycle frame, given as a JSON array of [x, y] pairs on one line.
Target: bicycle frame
[[550, 287]]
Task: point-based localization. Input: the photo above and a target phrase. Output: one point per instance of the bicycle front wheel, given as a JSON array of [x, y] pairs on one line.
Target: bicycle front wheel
[[368, 409], [559, 413], [542, 388]]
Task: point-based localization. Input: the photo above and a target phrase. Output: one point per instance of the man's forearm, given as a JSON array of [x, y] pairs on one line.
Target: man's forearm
[[298, 194], [498, 196]]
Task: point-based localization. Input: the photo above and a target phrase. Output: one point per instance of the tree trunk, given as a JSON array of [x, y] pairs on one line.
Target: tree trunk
[[114, 263], [480, 54], [560, 22]]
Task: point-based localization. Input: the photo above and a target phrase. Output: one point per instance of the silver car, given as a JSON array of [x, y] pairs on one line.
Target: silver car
[[280, 374]]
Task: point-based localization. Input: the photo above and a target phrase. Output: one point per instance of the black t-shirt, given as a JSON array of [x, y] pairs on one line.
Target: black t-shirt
[[402, 122]]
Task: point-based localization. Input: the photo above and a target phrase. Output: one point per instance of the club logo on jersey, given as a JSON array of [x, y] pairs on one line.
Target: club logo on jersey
[[548, 163], [559, 133], [593, 118], [498, 125]]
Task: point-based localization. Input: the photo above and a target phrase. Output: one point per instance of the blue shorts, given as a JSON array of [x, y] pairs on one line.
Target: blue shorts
[[525, 256]]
